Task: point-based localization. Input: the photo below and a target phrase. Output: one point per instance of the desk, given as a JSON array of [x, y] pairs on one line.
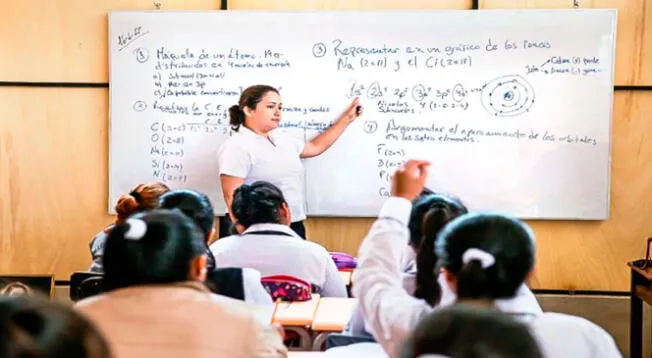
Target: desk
[[333, 314], [640, 291], [297, 317]]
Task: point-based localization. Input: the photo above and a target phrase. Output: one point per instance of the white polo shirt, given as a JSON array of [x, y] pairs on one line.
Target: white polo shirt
[[281, 252], [253, 157], [392, 313]]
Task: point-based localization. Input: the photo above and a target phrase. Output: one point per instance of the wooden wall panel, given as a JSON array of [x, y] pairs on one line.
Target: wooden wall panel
[[574, 254], [634, 34], [65, 40], [347, 4], [53, 178]]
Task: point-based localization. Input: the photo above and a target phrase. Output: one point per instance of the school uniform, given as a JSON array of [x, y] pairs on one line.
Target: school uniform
[[274, 249], [239, 283], [524, 300], [179, 320], [276, 160], [392, 313], [97, 250]]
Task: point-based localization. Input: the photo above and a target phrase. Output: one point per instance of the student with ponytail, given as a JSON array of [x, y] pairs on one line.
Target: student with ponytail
[[429, 215], [141, 198], [485, 263], [485, 257], [430, 212], [258, 151], [156, 304], [420, 274]]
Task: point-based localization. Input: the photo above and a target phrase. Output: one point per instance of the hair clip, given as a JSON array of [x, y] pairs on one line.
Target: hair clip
[[137, 229], [486, 259]]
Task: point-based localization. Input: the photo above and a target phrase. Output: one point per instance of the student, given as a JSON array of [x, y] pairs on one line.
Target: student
[[269, 245], [157, 305], [33, 326], [487, 256], [257, 152], [429, 214], [142, 197], [504, 250], [463, 331], [238, 283]]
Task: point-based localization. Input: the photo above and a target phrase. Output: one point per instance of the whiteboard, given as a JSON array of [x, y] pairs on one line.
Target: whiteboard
[[512, 107]]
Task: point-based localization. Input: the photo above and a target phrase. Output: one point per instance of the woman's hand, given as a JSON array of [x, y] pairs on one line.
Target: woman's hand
[[354, 110]]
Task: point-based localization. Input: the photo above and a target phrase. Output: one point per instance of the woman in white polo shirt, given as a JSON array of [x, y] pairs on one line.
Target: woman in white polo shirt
[[255, 152]]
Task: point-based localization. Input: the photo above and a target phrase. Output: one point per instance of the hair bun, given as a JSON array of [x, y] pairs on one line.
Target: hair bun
[[126, 206], [245, 190]]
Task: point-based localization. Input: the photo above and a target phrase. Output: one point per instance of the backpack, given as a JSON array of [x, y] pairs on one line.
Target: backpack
[[287, 288], [343, 261]]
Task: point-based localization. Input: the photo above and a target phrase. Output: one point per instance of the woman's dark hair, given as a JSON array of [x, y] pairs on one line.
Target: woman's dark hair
[[464, 332], [157, 246], [196, 206], [35, 327], [503, 254], [250, 97], [430, 213], [257, 203]]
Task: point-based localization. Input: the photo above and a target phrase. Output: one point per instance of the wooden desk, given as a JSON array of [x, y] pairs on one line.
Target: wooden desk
[[296, 313], [640, 291], [297, 317], [333, 314]]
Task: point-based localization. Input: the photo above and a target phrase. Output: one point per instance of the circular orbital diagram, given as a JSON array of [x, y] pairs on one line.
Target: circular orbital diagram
[[507, 96]]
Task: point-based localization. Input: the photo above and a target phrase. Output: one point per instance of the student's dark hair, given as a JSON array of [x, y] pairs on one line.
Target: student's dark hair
[[464, 332], [508, 242], [257, 203], [249, 98], [196, 206], [35, 327], [430, 213], [154, 247]]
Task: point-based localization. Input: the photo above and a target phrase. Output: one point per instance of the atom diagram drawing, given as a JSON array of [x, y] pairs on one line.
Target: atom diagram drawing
[[507, 96]]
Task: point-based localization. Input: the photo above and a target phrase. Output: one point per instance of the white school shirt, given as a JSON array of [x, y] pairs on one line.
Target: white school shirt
[[253, 157], [524, 298], [392, 313], [275, 254], [254, 292]]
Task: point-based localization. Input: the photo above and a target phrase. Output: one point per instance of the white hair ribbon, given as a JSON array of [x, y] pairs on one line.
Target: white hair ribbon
[[137, 229], [486, 259]]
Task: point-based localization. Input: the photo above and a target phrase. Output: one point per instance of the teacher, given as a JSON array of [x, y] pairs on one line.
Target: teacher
[[256, 152]]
